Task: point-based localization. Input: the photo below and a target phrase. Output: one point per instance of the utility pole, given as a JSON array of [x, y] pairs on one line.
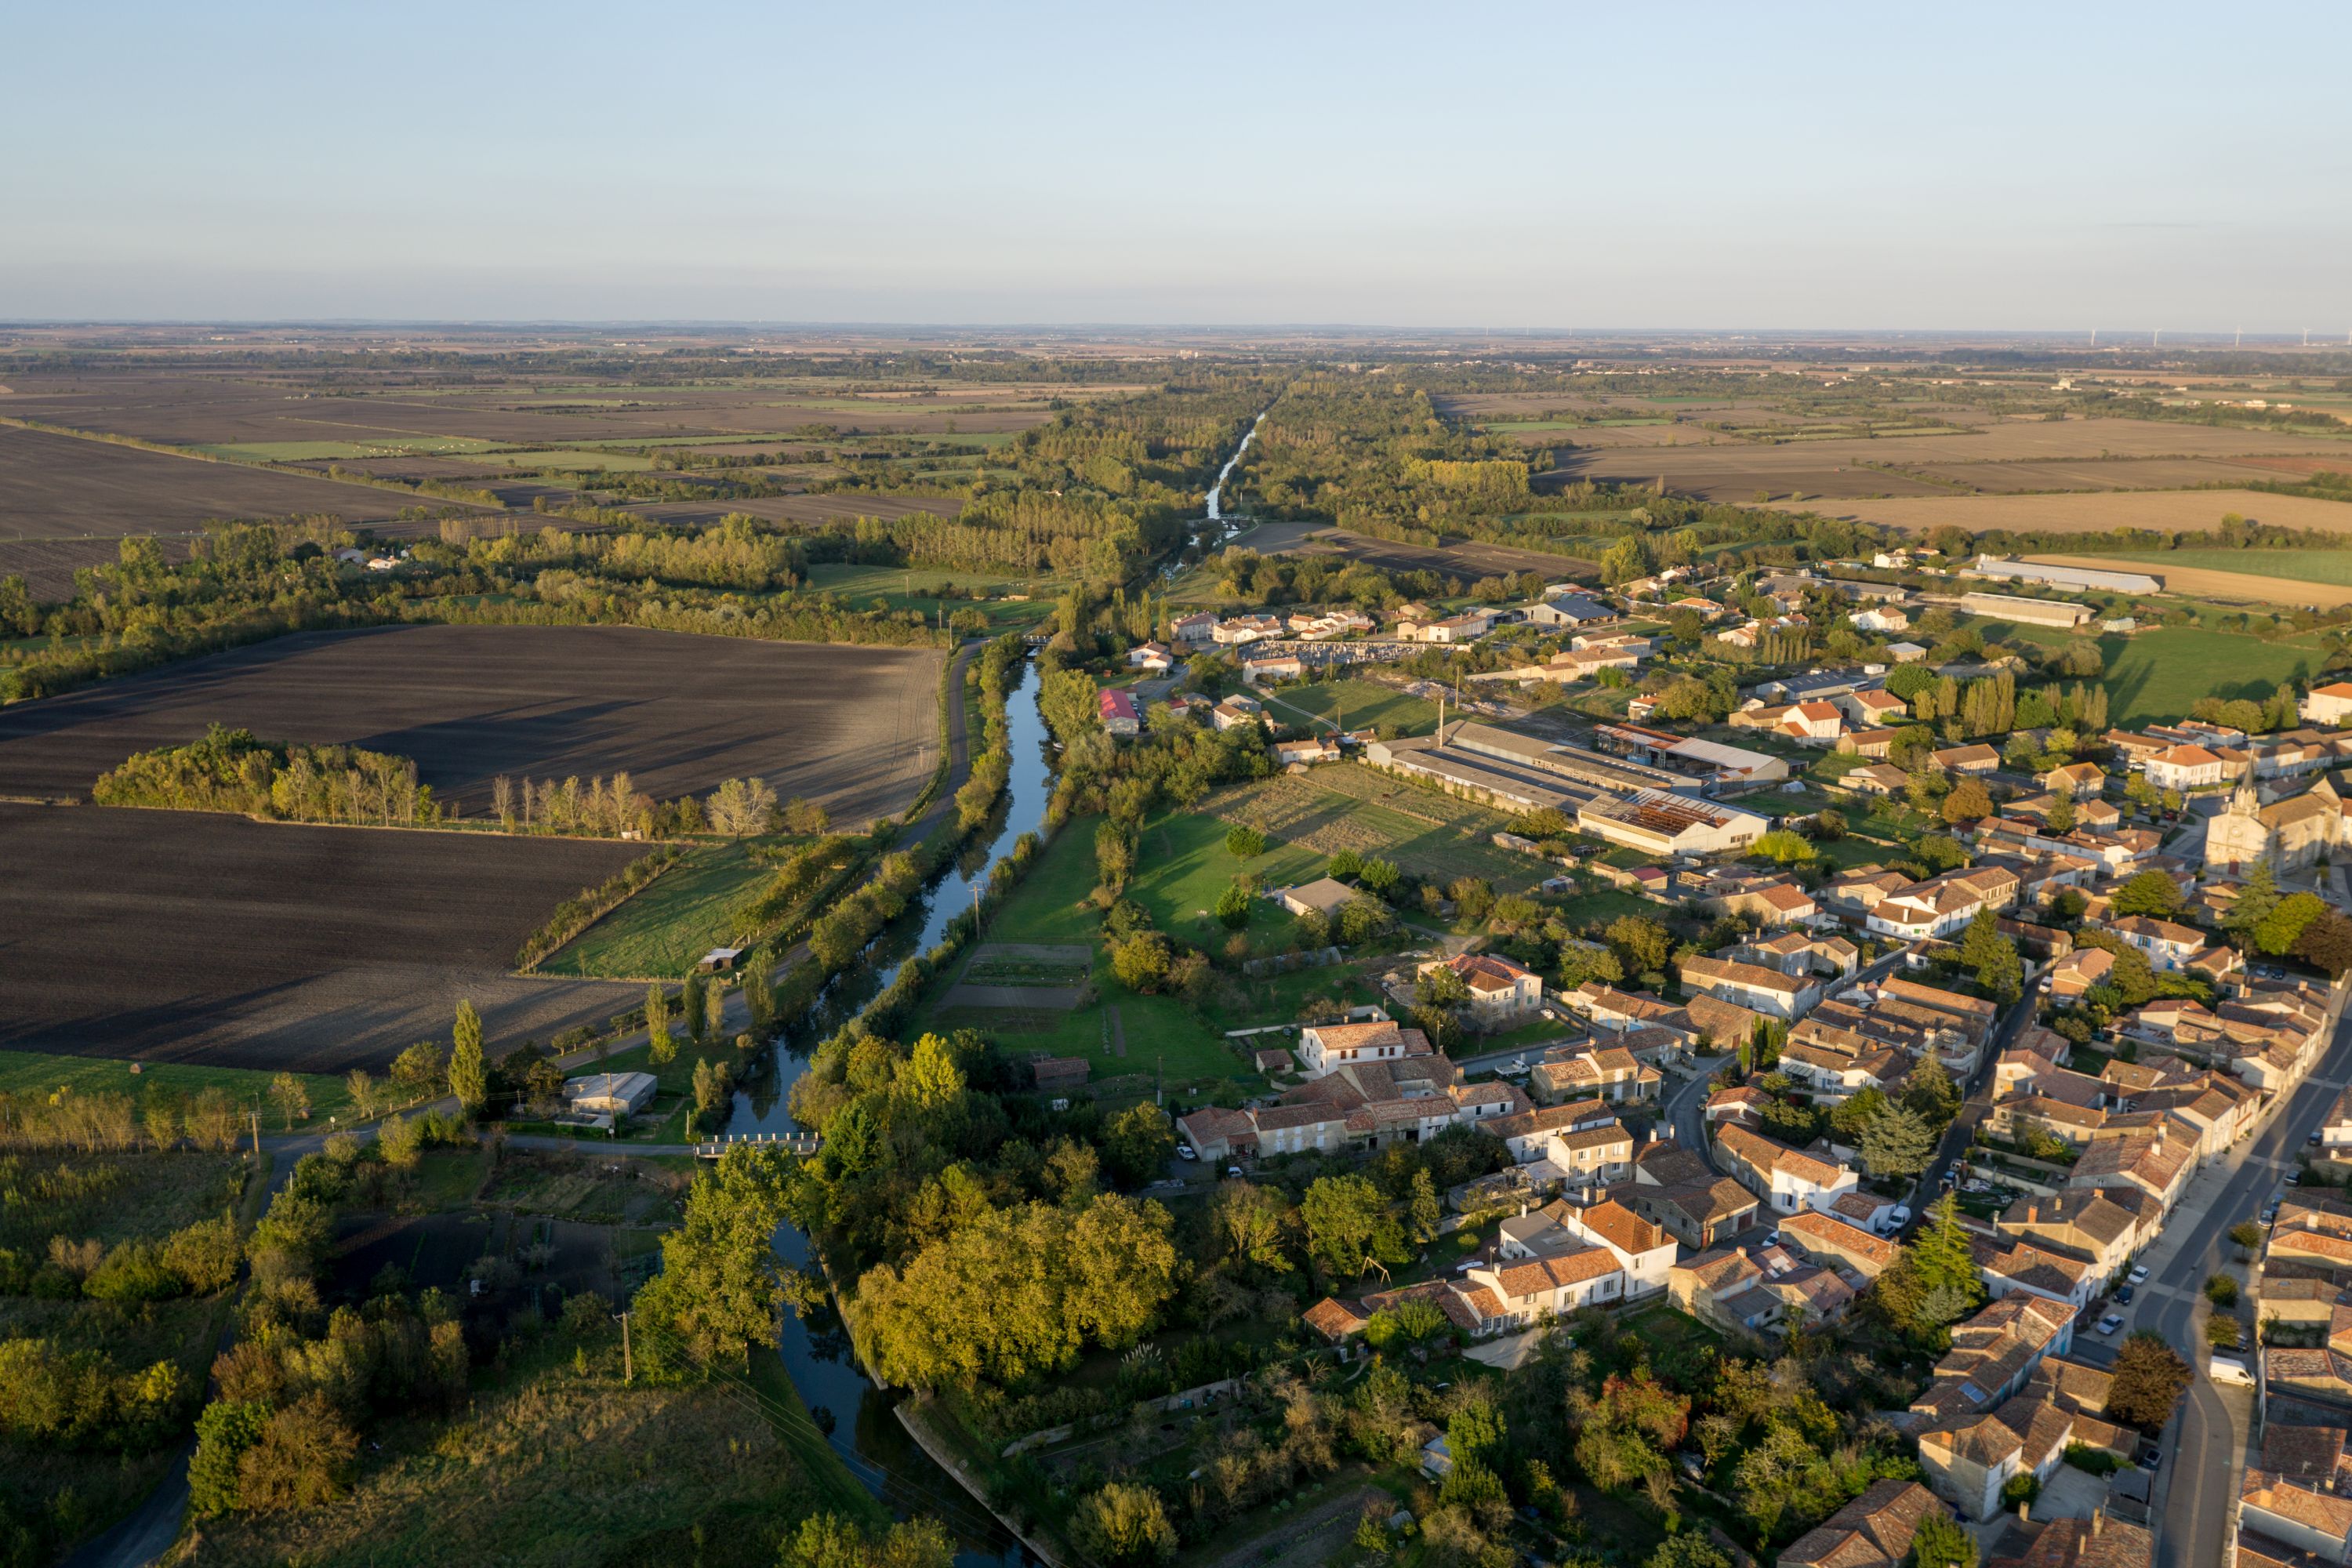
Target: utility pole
[[628, 1363], [256, 1130]]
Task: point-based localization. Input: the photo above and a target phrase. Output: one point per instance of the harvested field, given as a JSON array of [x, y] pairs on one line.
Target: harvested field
[[60, 490], [2099, 474], [2174, 510], [854, 728], [2181, 576], [189, 936], [1854, 468], [201, 408], [1467, 560]]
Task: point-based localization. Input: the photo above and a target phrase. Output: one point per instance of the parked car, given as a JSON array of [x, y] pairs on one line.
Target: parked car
[[2138, 1275], [1900, 1217], [2229, 1369], [2109, 1324], [2124, 1294], [1185, 1152]]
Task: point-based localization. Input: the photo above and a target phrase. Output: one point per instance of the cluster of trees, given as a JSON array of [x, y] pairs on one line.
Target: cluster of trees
[[247, 582], [194, 1261], [841, 932], [302, 1382], [229, 770]]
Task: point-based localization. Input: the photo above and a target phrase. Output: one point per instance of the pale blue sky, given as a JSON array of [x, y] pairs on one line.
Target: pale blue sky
[[1551, 165]]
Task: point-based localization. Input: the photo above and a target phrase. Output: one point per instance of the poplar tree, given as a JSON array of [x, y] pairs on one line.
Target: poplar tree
[[469, 1079], [660, 1048]]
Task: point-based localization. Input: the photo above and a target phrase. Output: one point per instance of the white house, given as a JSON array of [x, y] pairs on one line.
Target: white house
[[2330, 704]]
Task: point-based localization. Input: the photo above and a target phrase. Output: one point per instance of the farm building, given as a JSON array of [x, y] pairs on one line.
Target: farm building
[[1661, 823], [609, 1093], [2083, 577], [2031, 612], [1118, 715], [1323, 896]]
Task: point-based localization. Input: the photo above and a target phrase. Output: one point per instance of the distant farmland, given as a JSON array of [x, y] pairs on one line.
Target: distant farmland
[[2174, 510], [66, 502], [2320, 579], [187, 936], [854, 728]]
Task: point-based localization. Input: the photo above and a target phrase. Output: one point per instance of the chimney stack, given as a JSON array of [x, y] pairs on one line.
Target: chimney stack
[[2098, 1521], [2032, 1213], [2023, 1517]]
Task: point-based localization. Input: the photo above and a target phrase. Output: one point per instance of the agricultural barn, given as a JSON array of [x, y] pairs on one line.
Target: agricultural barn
[[2066, 577], [609, 1093], [2031, 612], [1660, 824]]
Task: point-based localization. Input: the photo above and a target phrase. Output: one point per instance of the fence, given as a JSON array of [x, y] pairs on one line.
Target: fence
[[1284, 962]]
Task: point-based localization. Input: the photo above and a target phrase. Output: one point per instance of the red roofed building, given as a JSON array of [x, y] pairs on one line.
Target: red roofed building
[[1118, 715]]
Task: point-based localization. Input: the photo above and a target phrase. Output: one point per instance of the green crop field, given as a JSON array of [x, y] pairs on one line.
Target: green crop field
[[317, 451], [1355, 705], [664, 929], [36, 1073], [2331, 566]]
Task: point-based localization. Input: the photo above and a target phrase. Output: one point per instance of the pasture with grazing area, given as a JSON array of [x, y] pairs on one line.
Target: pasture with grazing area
[[857, 729]]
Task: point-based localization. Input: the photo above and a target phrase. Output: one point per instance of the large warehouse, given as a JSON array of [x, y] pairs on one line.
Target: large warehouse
[[2066, 577]]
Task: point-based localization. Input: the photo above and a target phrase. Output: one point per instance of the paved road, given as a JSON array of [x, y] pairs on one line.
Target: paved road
[[2206, 1459]]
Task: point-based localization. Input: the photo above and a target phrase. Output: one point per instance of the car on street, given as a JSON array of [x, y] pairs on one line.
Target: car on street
[[2124, 1294], [2138, 1275], [1900, 1217], [2110, 1323]]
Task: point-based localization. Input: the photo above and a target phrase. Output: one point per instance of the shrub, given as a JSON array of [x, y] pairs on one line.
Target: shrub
[[1123, 1524], [133, 1271], [2221, 1290], [1246, 842], [302, 1459], [205, 1256]]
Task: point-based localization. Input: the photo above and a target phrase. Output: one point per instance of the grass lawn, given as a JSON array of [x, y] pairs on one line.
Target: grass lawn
[[2155, 676], [1357, 705], [1347, 806], [662, 932], [1605, 905], [34, 1072], [1047, 907]]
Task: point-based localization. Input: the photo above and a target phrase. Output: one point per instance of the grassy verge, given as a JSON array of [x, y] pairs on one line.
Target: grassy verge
[[661, 931], [38, 1073]]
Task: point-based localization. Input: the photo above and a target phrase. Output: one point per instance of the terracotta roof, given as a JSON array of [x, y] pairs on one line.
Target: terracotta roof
[[1763, 1155], [1813, 1225], [1334, 1320], [2321, 1511], [1874, 1530], [1623, 1229]]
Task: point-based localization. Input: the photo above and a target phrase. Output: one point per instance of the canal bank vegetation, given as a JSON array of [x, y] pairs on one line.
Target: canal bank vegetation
[[427, 1362]]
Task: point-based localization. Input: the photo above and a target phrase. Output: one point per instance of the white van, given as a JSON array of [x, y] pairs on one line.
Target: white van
[[2229, 1369]]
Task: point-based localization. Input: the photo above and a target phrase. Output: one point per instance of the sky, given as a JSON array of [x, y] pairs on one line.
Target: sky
[[1560, 165]]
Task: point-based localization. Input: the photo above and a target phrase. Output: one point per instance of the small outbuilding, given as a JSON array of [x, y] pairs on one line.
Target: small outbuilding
[[609, 1093]]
